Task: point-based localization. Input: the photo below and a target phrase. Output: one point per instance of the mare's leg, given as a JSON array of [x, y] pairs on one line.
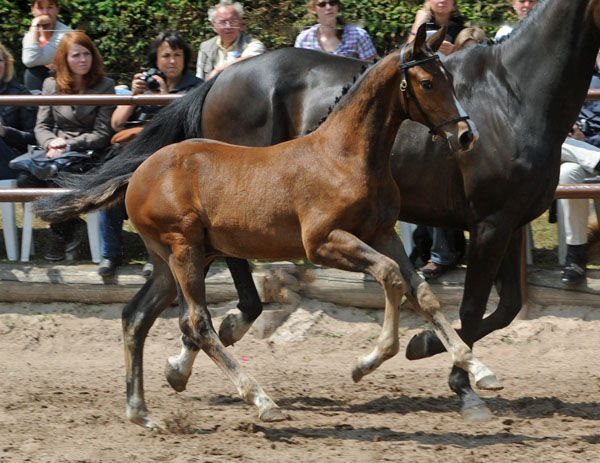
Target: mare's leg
[[473, 326], [186, 262], [232, 329], [235, 326], [137, 319]]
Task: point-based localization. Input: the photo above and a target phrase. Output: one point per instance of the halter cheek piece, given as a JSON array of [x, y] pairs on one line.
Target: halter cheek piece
[[407, 92]]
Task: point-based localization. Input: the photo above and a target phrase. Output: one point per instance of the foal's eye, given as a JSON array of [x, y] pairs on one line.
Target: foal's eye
[[426, 84]]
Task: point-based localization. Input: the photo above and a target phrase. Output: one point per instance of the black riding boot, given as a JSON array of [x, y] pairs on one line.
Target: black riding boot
[[574, 272]]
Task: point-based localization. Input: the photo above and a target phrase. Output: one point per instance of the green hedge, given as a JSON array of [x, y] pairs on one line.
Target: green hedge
[[122, 29]]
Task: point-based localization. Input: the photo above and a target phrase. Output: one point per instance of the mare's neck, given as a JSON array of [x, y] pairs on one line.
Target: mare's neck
[[366, 121], [548, 64]]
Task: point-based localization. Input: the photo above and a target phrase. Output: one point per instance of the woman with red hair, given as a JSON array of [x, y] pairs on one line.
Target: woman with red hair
[[59, 129]]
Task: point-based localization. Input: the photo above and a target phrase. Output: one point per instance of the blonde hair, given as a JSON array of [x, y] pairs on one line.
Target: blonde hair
[[469, 33], [9, 66], [426, 8]]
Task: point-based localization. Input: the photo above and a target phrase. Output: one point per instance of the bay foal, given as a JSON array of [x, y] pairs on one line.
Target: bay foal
[[328, 196]]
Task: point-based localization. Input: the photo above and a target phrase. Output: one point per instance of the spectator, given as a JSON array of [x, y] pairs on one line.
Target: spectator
[[441, 246], [468, 37], [332, 35], [522, 8], [16, 122], [60, 129], [230, 45], [41, 41], [580, 159], [438, 13], [171, 55]]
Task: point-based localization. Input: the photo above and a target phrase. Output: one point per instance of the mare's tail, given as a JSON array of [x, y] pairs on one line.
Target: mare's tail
[[105, 185]]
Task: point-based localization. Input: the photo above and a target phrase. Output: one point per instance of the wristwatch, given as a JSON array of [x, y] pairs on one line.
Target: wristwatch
[[35, 24]]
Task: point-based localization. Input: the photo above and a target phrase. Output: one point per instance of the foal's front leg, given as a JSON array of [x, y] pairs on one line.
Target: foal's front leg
[[345, 251], [425, 303]]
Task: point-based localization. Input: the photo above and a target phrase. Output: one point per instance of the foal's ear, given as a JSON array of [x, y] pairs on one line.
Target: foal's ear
[[420, 37], [435, 41]]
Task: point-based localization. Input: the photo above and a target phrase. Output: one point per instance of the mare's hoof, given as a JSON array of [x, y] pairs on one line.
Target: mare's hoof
[[418, 346], [175, 378], [272, 414], [489, 383], [476, 414], [232, 329]]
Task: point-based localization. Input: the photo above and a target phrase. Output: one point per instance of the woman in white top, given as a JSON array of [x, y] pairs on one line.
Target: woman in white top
[[41, 41], [522, 8]]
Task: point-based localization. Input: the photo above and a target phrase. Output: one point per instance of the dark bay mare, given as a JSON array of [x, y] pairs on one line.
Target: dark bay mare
[[329, 196], [523, 95]]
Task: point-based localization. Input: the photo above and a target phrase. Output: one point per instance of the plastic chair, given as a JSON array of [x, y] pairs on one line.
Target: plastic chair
[[9, 224], [93, 229]]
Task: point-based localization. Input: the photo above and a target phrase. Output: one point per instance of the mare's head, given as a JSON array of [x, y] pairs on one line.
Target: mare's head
[[428, 95]]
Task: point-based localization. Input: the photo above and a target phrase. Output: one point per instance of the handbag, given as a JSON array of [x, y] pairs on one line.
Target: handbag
[[37, 164]]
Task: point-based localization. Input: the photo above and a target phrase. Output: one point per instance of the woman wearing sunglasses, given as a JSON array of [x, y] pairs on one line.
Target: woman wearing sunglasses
[[332, 35]]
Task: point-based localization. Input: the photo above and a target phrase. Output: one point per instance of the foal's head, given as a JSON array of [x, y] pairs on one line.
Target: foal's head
[[428, 95]]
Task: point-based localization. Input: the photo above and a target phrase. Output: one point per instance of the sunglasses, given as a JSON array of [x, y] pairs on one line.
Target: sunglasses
[[328, 2]]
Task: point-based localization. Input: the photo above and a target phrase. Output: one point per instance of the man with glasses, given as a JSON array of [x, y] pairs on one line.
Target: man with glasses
[[231, 44]]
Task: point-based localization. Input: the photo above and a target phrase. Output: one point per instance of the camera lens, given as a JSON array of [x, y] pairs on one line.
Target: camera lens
[[152, 84]]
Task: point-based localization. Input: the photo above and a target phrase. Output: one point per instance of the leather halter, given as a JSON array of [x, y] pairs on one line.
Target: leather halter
[[407, 92]]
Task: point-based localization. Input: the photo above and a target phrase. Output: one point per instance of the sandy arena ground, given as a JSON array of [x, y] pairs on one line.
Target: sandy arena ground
[[62, 393]]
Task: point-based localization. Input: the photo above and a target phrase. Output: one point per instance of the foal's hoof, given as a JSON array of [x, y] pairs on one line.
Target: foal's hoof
[[476, 414], [143, 419], [418, 347], [175, 378], [271, 414], [489, 383], [357, 374]]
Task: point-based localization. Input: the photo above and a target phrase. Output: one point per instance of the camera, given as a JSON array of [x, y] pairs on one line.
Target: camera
[[583, 125], [151, 82]]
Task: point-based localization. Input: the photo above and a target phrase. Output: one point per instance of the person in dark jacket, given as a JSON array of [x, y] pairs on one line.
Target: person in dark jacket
[[16, 122], [170, 54]]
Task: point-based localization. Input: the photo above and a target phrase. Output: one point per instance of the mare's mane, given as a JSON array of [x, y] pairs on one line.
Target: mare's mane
[[525, 25], [345, 90]]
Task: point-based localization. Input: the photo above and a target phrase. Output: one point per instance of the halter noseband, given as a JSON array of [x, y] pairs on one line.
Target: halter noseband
[[405, 85]]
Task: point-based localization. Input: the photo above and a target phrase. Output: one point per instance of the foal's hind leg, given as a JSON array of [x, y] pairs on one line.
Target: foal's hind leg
[[137, 319], [195, 322], [231, 330]]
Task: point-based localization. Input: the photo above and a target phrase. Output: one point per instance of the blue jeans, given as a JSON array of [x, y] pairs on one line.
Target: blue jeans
[[443, 249], [111, 224]]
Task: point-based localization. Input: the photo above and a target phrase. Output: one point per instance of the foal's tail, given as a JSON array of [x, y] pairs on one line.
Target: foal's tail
[[105, 185]]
